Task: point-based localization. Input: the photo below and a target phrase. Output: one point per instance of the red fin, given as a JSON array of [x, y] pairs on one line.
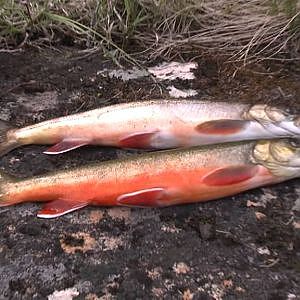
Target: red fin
[[140, 140], [221, 127], [66, 145], [59, 208], [142, 198], [230, 175]]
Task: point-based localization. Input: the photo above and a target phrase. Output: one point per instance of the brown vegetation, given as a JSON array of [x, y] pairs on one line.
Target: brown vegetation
[[240, 30]]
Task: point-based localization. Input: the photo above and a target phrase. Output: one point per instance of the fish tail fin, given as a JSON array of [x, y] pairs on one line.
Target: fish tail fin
[[7, 139], [4, 181]]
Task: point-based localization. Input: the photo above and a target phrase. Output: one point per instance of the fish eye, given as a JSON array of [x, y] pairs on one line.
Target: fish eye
[[294, 143]]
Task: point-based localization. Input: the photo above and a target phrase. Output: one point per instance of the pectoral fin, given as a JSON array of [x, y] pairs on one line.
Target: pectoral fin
[[59, 208], [230, 175], [142, 198], [141, 140], [221, 127], [66, 145]]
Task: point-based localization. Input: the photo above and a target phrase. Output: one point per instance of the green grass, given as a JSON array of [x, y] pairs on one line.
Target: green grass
[[242, 30], [290, 8]]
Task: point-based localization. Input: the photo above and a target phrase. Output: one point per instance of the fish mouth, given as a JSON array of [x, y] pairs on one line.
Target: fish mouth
[[279, 156]]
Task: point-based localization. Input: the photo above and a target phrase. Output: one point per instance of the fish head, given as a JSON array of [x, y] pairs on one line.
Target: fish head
[[266, 113], [280, 121], [281, 157]]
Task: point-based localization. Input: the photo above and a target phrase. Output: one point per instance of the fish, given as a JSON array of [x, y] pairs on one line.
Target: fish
[[157, 124], [158, 179]]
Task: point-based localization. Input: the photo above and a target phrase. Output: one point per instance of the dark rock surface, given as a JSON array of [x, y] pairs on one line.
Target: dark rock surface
[[241, 247]]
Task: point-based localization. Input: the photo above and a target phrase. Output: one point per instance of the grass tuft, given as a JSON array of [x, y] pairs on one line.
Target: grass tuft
[[241, 30]]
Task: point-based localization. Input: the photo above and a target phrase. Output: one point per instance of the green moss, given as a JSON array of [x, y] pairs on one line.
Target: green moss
[[288, 7]]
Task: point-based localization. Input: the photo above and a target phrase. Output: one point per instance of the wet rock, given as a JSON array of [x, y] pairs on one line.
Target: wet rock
[[77, 242], [39, 102], [296, 206], [18, 285], [30, 229], [230, 240], [207, 231]]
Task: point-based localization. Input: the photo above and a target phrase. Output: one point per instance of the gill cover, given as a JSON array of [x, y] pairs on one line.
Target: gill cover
[[265, 113], [281, 157], [281, 122]]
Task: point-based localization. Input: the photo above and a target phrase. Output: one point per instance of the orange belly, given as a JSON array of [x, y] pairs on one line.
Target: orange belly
[[169, 187], [162, 188]]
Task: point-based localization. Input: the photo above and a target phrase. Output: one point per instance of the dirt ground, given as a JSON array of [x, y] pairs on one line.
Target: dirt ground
[[241, 247]]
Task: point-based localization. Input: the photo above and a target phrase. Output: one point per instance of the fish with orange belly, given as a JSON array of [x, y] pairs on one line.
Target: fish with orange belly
[[159, 124], [160, 178]]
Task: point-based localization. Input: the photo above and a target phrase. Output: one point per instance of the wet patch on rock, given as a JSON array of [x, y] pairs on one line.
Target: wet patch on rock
[[39, 102], [80, 241]]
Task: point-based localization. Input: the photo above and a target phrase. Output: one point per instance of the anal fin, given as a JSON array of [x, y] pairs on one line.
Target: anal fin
[[142, 198], [230, 175], [221, 127], [141, 140], [66, 145], [59, 207]]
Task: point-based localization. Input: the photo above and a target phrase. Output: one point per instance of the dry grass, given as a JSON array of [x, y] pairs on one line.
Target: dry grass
[[241, 30]]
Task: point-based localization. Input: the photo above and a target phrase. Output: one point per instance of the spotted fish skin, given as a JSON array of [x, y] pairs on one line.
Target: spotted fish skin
[[159, 124], [156, 179]]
